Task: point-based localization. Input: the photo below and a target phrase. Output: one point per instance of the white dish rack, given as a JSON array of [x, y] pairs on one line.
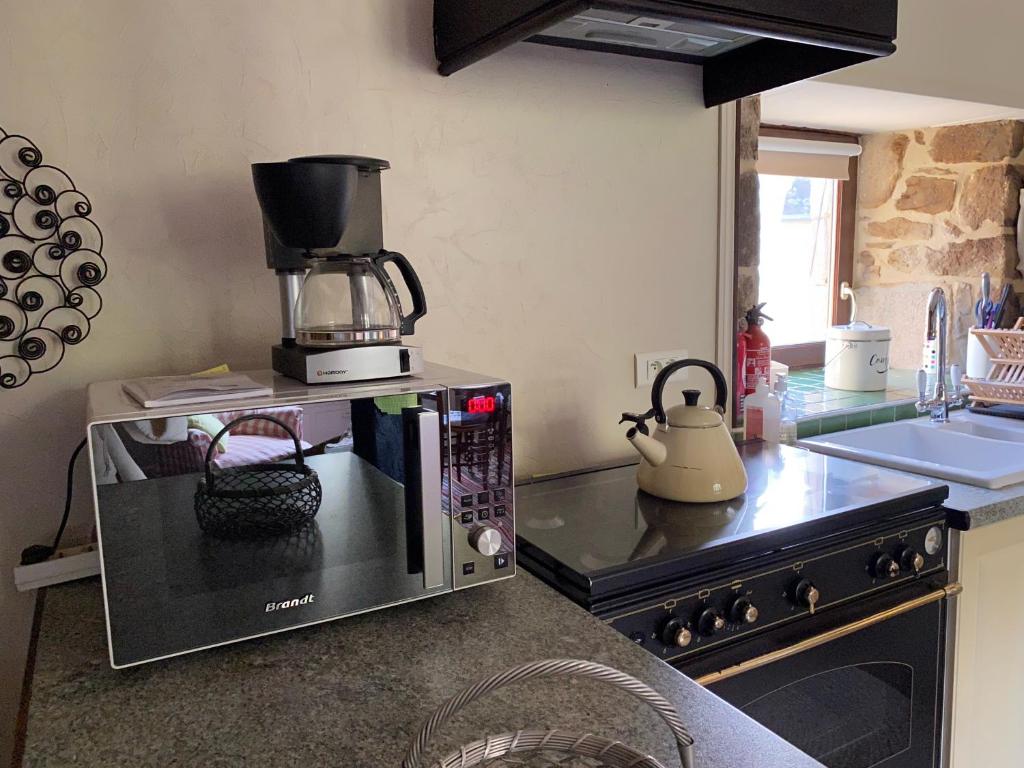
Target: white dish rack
[[1005, 381]]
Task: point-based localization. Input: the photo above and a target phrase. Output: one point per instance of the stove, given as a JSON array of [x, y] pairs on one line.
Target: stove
[[816, 602]]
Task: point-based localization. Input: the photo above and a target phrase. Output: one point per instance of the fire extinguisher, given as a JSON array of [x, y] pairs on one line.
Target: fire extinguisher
[[753, 355]]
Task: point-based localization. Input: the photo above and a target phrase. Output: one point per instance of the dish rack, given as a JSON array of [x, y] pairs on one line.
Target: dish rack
[[550, 748], [1005, 382]]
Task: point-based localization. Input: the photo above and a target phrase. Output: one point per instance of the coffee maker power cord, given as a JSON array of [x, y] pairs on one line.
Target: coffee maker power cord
[[37, 553]]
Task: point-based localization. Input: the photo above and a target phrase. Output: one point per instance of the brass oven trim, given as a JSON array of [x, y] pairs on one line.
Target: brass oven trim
[[950, 590]]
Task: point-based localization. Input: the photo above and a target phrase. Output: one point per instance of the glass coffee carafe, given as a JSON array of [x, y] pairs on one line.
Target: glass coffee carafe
[[350, 301]]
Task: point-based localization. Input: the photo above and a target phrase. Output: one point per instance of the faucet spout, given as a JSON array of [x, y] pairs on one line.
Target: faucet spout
[[936, 320]]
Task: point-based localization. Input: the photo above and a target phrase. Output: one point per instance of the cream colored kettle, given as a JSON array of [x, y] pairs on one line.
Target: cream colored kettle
[[691, 455]]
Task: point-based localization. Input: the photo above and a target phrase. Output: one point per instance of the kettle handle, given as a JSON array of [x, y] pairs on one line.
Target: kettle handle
[[721, 388], [412, 280]]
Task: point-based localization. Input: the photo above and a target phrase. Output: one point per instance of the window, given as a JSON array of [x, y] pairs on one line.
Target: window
[[798, 218], [806, 198]]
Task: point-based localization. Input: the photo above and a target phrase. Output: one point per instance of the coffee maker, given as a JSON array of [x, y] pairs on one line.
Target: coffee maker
[[341, 316]]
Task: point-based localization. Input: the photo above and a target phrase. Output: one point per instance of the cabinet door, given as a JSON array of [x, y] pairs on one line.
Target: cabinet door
[[988, 688]]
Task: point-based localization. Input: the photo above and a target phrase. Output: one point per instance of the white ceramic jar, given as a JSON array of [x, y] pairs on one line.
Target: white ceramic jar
[[978, 362], [857, 357]]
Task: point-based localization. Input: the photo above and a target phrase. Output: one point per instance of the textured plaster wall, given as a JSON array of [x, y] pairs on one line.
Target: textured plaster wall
[[559, 206], [952, 49]]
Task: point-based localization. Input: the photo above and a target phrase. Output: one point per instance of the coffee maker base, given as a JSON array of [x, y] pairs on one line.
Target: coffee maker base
[[335, 366]]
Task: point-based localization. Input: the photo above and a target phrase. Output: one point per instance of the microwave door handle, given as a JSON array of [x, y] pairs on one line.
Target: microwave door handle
[[432, 517]]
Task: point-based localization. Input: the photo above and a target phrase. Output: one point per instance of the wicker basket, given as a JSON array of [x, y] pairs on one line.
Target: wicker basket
[[540, 748], [1005, 381], [258, 500]]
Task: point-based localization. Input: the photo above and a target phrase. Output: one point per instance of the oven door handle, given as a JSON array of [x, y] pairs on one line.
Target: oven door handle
[[950, 590]]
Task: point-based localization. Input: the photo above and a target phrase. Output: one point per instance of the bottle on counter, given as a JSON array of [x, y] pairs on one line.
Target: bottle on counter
[[787, 425], [763, 414]]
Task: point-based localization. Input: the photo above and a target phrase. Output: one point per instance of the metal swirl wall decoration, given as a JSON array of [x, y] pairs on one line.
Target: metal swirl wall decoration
[[50, 263]]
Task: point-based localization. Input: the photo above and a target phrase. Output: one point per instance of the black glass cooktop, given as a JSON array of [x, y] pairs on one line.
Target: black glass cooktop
[[596, 534]]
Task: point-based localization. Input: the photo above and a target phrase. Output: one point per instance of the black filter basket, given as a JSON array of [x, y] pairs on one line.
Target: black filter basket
[[307, 204]]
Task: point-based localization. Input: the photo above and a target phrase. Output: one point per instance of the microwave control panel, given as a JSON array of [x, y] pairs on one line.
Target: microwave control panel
[[481, 484]]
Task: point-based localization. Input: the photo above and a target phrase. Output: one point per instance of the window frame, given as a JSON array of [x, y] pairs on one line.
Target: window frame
[[812, 354]]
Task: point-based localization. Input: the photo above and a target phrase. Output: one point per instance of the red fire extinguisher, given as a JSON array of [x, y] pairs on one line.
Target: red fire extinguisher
[[753, 355]]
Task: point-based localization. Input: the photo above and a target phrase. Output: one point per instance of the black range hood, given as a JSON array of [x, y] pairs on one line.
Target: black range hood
[[745, 46]]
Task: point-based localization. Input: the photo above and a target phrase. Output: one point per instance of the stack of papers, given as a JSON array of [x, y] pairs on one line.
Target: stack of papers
[[158, 391]]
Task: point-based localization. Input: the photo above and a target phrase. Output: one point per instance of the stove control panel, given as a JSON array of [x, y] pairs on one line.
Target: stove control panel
[[705, 615]]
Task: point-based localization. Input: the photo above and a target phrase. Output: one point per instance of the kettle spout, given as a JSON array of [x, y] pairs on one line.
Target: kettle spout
[[653, 451]]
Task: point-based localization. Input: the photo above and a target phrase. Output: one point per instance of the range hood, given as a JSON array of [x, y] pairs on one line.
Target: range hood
[[745, 46]]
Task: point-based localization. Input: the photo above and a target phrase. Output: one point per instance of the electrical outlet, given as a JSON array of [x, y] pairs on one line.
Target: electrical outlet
[[647, 365]]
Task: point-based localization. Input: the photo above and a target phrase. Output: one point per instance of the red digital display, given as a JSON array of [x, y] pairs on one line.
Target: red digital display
[[480, 404]]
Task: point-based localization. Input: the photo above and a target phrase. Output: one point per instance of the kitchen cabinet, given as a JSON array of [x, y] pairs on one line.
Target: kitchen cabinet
[[988, 673]]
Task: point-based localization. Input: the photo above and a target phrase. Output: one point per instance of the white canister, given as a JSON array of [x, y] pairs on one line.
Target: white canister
[[978, 362], [857, 357]]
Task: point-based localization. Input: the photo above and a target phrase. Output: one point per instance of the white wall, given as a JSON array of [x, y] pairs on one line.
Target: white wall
[[968, 50], [560, 208]]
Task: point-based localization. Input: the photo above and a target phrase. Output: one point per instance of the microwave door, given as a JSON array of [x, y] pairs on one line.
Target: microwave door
[[377, 538]]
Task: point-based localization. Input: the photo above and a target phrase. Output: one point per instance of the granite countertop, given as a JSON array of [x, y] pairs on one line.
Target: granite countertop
[[354, 692], [984, 506]]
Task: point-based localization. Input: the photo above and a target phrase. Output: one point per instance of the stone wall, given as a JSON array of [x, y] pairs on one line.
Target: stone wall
[[747, 242], [935, 207]]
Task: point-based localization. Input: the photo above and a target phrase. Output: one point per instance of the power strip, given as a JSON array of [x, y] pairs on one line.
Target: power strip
[[66, 565]]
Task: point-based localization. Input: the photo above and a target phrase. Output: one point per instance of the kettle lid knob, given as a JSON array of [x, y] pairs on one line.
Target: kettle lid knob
[[691, 396]]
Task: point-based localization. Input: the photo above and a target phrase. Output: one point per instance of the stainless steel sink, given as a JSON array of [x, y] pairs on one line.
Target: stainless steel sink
[[977, 450]]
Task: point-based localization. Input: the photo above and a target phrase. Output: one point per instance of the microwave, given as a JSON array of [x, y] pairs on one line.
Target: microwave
[[411, 497]]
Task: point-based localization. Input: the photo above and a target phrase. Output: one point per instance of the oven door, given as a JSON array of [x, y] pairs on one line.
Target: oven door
[[381, 534], [858, 689]]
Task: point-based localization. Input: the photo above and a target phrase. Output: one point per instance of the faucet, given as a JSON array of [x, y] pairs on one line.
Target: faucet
[[935, 331]]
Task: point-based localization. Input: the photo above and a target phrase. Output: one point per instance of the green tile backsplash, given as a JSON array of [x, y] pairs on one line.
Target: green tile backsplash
[[858, 419], [808, 428], [819, 410], [807, 393]]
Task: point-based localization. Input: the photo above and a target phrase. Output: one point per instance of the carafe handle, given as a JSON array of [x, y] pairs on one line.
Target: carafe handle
[[721, 388], [412, 281]]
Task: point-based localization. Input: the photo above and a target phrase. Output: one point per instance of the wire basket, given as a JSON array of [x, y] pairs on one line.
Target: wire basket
[[541, 748], [259, 500]]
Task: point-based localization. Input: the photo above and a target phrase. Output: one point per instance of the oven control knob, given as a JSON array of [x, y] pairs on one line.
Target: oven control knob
[[486, 540], [710, 621], [742, 611], [805, 593], [674, 633], [884, 567], [910, 559]]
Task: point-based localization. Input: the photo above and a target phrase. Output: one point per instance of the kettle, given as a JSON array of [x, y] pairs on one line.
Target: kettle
[[691, 455]]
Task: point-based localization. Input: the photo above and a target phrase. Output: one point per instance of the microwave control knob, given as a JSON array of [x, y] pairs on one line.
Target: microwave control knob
[[910, 559], [742, 611], [804, 593], [486, 540], [710, 621], [884, 567], [674, 633]]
